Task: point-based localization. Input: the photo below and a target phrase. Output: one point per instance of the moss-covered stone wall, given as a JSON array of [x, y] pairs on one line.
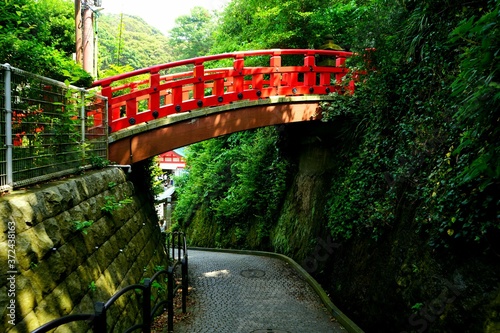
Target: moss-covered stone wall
[[61, 270]]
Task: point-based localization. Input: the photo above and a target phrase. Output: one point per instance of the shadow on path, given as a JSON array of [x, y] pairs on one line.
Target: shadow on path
[[240, 293]]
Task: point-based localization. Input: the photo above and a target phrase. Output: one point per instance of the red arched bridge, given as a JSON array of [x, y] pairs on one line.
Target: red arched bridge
[[163, 107]]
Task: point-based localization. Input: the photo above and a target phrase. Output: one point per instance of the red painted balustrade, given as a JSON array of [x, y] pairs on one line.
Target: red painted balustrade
[[154, 92]]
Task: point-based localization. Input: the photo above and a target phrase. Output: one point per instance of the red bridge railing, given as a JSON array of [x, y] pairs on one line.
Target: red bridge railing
[[151, 93]]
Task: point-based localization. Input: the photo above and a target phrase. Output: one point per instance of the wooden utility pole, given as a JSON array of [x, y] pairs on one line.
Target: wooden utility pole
[[84, 36], [88, 39], [78, 32]]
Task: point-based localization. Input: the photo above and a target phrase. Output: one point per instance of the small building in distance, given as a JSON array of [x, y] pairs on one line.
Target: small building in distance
[[173, 162]]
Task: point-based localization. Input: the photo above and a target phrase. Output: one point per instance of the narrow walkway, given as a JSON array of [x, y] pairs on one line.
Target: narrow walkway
[[239, 293]]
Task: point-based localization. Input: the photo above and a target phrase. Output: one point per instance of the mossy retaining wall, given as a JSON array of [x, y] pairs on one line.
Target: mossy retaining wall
[[61, 270]]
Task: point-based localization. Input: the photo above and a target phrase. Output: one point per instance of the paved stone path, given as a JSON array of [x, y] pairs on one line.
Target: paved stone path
[[239, 293]]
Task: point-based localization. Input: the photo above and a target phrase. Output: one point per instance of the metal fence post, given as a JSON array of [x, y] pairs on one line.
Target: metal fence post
[[170, 301], [82, 118], [146, 307], [8, 126], [179, 246], [173, 246], [100, 318], [185, 286]]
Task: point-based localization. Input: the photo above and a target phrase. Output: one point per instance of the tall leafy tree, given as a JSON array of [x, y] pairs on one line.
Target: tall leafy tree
[[38, 36], [253, 24], [192, 34]]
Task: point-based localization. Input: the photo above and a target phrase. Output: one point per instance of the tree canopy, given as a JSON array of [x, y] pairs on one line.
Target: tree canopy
[[192, 34], [38, 36], [129, 41]]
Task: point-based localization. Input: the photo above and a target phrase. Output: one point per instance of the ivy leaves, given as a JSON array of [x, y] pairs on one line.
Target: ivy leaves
[[431, 132], [477, 90]]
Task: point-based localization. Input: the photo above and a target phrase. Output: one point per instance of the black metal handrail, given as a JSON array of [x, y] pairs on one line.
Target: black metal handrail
[[98, 319], [181, 246]]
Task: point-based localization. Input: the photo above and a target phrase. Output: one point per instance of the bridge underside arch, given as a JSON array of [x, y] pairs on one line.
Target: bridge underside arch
[[143, 141]]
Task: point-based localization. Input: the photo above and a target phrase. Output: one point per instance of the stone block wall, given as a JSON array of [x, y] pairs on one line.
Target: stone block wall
[[59, 270]]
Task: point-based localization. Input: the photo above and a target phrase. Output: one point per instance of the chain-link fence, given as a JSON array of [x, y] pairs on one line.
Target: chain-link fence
[[48, 129]]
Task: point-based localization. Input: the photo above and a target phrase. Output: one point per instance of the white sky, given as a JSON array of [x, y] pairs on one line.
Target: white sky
[[160, 14]]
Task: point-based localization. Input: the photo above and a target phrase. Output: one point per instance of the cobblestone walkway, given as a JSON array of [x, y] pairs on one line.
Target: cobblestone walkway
[[239, 293]]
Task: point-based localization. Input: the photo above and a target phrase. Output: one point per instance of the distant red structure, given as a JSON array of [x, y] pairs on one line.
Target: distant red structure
[[172, 161]]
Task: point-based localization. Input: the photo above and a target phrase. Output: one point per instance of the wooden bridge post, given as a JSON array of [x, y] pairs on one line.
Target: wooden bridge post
[[199, 86], [275, 77], [106, 92], [339, 62], [154, 96], [310, 77], [238, 82]]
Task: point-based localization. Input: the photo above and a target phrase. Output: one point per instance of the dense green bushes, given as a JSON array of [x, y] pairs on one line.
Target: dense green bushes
[[240, 182], [38, 36]]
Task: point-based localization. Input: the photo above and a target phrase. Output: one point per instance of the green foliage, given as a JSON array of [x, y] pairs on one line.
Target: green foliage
[[477, 90], [192, 34], [424, 140], [128, 42], [37, 36], [82, 225], [239, 178], [99, 162], [251, 24], [155, 173], [281, 243], [158, 288], [111, 204], [92, 287], [417, 306], [158, 268]]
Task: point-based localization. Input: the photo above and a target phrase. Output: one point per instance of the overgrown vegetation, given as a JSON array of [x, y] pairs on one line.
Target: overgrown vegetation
[[429, 134], [112, 203], [38, 36], [417, 152], [240, 180]]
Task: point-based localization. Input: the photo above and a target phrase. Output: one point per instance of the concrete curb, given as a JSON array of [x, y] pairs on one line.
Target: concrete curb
[[348, 324]]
